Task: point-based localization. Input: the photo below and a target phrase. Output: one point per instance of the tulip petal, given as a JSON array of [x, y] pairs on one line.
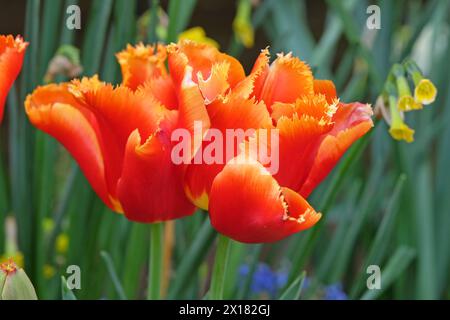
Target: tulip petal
[[216, 84], [201, 57], [141, 63], [55, 111], [300, 137], [316, 106], [255, 81], [150, 188], [287, 79], [192, 109], [248, 205], [226, 115], [119, 111], [163, 90], [327, 88], [11, 58], [352, 121]]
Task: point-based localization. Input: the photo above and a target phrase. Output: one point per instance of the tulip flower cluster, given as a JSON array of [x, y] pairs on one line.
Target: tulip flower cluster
[[122, 136]]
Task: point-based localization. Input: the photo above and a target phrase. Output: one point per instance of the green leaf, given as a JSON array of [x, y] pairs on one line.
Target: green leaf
[[294, 290], [180, 12], [113, 275], [192, 259], [66, 293], [95, 36], [379, 245], [253, 264], [400, 260], [50, 33], [155, 262], [218, 276]]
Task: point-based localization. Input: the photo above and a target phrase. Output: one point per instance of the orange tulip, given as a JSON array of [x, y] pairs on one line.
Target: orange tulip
[[120, 136], [247, 202], [12, 51]]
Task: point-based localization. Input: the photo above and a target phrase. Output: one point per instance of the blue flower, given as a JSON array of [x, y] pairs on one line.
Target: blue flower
[[265, 280], [335, 292]]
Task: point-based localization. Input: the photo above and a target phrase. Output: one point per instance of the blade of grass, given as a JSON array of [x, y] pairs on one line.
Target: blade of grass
[[243, 292], [237, 255], [288, 20], [400, 260], [50, 33], [294, 290], [95, 36], [309, 238], [113, 275], [155, 261], [121, 33], [44, 179], [192, 259], [4, 200], [136, 257], [364, 208], [424, 213], [379, 245], [180, 12], [66, 293], [329, 257], [67, 36], [151, 34], [21, 152], [323, 51], [220, 266]]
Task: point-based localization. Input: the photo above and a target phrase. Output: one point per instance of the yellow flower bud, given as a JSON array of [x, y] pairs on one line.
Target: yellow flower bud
[[408, 103], [242, 24], [425, 91], [399, 130], [48, 271], [197, 34], [16, 256], [62, 243]]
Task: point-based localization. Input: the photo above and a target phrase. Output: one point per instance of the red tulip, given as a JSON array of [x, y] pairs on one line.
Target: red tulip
[[121, 136], [247, 202], [12, 51]]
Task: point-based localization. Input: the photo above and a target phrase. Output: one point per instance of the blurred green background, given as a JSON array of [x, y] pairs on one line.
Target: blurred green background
[[385, 204]]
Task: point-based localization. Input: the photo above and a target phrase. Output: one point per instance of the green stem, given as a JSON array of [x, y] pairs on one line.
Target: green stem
[[155, 262], [220, 265]]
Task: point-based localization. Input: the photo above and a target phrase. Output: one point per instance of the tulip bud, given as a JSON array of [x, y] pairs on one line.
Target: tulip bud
[[406, 101], [14, 283], [198, 34]]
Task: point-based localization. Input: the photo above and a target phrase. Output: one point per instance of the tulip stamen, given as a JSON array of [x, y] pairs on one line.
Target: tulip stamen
[[332, 108]]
